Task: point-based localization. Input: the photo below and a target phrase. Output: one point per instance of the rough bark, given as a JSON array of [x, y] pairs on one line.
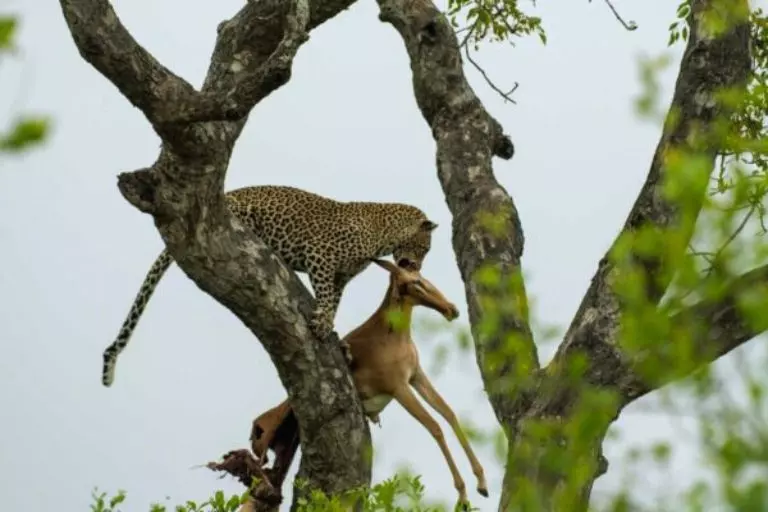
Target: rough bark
[[524, 396], [183, 191], [709, 65], [467, 138]]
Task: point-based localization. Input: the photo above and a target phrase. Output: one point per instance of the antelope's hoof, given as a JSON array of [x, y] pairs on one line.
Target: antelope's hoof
[[483, 491]]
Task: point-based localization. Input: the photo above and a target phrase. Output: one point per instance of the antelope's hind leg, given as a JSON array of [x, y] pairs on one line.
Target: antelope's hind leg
[[424, 387], [410, 403]]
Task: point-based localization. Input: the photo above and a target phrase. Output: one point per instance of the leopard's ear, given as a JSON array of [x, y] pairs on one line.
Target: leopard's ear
[[427, 225]]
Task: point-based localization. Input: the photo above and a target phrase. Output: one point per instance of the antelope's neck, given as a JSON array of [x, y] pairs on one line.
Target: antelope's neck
[[393, 314]]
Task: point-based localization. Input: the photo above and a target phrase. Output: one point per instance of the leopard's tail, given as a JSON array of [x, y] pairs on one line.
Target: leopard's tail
[[153, 277]]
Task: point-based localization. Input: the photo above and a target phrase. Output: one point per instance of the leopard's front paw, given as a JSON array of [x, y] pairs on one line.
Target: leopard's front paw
[[321, 328]]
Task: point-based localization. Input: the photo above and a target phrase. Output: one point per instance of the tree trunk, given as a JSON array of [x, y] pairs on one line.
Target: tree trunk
[[556, 422]]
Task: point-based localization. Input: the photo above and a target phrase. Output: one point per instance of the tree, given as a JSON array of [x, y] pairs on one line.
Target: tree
[[636, 329]]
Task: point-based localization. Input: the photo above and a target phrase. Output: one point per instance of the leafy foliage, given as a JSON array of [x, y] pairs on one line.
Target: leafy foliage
[[7, 31], [678, 30], [400, 493], [493, 20], [730, 428], [101, 503], [27, 131], [217, 503]]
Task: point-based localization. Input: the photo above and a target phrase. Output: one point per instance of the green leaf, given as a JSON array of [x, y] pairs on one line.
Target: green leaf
[[8, 26], [661, 452], [117, 499], [25, 133]]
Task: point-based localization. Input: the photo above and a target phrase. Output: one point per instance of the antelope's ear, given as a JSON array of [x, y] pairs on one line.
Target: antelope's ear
[[386, 265], [428, 225]]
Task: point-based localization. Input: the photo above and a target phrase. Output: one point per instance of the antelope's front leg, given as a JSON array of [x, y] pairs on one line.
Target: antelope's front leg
[[424, 387]]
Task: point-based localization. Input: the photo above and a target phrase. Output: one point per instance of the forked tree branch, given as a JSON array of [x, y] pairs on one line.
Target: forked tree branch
[[166, 98], [104, 42], [467, 138], [183, 191], [711, 64], [232, 99]]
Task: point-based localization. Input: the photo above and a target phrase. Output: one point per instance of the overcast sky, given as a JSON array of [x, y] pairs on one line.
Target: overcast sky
[[346, 126]]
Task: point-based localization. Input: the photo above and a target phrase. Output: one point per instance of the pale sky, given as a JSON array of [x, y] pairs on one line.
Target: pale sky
[[346, 126]]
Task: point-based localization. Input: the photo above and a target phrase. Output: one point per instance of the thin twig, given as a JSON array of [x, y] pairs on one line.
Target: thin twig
[[761, 211], [731, 238], [629, 26], [505, 95], [463, 29], [705, 255], [712, 257], [470, 29], [465, 44]]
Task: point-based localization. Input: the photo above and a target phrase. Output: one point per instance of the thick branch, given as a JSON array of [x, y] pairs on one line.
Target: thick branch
[[183, 191], [486, 227], [166, 98], [718, 326], [441, 89], [106, 44], [711, 63], [233, 97]]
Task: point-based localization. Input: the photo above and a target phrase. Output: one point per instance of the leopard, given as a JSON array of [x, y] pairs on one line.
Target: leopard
[[331, 241]]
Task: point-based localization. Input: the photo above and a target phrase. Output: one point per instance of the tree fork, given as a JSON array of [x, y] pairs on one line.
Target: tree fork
[[183, 191]]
